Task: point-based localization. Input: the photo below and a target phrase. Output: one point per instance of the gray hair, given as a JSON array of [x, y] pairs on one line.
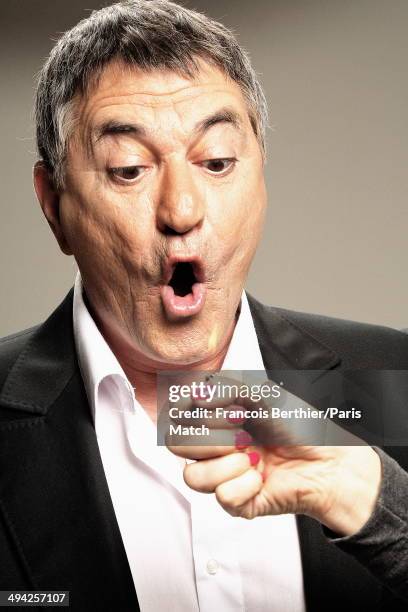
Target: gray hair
[[144, 33]]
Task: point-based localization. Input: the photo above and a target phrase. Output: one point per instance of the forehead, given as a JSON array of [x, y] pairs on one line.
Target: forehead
[[156, 94]]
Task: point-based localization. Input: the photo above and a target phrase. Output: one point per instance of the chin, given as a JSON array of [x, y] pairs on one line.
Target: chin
[[181, 342], [178, 352], [182, 358]]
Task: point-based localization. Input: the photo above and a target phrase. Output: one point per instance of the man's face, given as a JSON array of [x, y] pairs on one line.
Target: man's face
[[164, 169]]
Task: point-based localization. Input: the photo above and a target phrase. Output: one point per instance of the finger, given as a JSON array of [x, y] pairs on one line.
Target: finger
[[198, 432], [230, 417], [182, 443], [201, 452], [206, 475], [234, 493]]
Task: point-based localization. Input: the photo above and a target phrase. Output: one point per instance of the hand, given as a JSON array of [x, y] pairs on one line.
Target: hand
[[336, 485]]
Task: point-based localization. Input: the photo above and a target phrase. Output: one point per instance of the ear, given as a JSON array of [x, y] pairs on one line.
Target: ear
[[49, 200]]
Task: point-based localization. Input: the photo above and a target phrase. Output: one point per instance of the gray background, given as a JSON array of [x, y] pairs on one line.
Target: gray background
[[334, 73]]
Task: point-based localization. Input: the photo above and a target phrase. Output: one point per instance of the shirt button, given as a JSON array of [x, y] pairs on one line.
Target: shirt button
[[212, 566]]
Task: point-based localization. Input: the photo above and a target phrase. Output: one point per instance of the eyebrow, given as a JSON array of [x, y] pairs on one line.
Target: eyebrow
[[223, 115], [112, 127]]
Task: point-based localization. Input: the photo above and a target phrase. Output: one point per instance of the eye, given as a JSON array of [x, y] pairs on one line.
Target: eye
[[219, 166], [127, 174]]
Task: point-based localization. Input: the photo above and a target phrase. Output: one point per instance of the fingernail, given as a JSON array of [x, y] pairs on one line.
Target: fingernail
[[254, 458], [235, 420], [242, 440]]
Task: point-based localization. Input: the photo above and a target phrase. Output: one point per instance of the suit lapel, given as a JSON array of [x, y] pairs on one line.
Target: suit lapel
[[284, 345], [53, 488]]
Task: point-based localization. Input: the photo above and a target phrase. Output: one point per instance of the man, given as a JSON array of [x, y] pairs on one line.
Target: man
[[150, 129]]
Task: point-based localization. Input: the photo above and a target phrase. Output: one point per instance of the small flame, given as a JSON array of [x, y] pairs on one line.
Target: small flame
[[212, 340]]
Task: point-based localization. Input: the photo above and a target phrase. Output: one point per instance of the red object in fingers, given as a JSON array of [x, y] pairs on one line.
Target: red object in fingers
[[242, 440]]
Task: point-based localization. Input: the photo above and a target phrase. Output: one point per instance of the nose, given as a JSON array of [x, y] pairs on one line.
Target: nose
[[180, 204]]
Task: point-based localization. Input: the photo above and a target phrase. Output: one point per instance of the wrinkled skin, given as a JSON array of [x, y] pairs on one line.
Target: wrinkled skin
[[121, 231]]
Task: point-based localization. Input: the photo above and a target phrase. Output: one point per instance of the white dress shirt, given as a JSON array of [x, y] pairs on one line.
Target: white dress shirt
[[184, 551]]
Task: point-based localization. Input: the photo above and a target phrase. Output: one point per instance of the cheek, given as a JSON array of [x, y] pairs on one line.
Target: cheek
[[105, 233], [238, 213], [258, 210], [252, 200]]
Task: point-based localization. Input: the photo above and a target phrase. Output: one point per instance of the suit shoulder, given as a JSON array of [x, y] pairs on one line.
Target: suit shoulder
[[372, 346], [10, 348], [358, 344], [332, 325]]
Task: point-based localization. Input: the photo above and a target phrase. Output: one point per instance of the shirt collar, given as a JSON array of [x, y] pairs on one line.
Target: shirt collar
[[243, 351]]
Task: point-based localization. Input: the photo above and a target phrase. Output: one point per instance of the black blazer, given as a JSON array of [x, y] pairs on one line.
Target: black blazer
[[58, 529]]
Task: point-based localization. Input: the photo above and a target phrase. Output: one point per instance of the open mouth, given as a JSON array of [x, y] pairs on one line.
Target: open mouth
[[183, 278], [183, 291]]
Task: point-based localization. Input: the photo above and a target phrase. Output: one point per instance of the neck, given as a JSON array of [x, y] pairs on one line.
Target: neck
[[143, 377], [141, 370]]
